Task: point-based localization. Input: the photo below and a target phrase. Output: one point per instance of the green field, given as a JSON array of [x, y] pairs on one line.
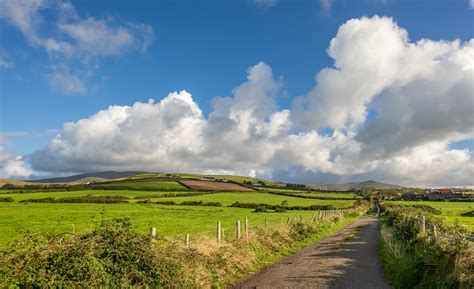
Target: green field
[[15, 218], [125, 193], [329, 195], [259, 197], [142, 185], [450, 211]]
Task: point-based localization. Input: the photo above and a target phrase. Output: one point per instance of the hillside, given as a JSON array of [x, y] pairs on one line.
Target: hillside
[[108, 175], [355, 186]]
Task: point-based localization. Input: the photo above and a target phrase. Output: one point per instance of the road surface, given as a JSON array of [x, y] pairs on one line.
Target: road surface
[[347, 259]]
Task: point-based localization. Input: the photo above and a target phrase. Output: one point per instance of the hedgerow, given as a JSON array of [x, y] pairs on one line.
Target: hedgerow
[[439, 257]]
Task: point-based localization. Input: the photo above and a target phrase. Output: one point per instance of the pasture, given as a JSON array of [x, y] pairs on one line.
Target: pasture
[[450, 211], [170, 220]]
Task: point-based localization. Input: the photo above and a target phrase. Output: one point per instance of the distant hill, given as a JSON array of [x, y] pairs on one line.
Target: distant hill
[[89, 176], [355, 186]]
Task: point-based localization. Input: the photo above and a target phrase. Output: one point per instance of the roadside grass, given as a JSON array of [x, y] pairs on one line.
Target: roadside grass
[[18, 218], [450, 211]]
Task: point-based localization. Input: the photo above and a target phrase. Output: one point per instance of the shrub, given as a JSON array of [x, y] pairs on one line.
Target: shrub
[[84, 199], [7, 200], [191, 203], [212, 204], [260, 209], [165, 203]]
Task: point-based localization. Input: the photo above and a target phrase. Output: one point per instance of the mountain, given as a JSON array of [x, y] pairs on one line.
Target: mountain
[[355, 186], [89, 176]]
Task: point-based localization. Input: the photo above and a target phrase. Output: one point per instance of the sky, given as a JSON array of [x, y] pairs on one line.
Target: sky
[[314, 91]]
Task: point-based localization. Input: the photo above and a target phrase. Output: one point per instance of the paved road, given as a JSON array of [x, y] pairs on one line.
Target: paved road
[[347, 259]]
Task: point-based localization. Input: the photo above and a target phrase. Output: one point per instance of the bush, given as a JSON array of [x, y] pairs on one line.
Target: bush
[[260, 209], [165, 203], [212, 204], [441, 262], [7, 200], [191, 203], [111, 256]]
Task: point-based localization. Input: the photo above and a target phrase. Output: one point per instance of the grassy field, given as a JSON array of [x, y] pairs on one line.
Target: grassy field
[[15, 218], [258, 197], [125, 193], [329, 195], [138, 185], [450, 211]]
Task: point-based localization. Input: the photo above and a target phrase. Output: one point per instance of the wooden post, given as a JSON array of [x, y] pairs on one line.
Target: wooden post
[[218, 232], [423, 224], [186, 240], [435, 233], [153, 233], [246, 228], [237, 229], [266, 222], [301, 218]]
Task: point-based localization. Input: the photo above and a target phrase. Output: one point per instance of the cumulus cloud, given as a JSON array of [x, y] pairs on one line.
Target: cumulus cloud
[[422, 93], [12, 166], [73, 41], [471, 4]]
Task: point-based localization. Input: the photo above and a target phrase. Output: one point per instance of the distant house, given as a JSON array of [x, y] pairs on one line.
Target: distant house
[[256, 184], [444, 191], [207, 179]]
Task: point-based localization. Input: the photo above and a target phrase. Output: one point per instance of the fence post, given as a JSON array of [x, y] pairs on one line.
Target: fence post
[[266, 222], [218, 231], [237, 229], [186, 240], [423, 224], [246, 228], [435, 233], [153, 233], [301, 218]]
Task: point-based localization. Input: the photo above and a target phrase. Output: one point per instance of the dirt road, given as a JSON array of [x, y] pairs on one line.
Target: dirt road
[[346, 259]]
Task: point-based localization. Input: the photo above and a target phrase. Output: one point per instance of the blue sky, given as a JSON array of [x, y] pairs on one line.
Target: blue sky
[[203, 47]]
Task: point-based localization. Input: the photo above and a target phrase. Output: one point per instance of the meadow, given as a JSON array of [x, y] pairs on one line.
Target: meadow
[[170, 220], [450, 211]]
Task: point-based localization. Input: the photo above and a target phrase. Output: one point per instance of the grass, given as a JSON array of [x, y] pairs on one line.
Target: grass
[[258, 197], [125, 193], [15, 218], [450, 211], [148, 185]]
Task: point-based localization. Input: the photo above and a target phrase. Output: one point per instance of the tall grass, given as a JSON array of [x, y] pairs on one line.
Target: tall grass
[[416, 259]]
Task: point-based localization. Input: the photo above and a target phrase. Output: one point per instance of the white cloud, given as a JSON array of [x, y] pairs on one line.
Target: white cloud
[[422, 92], [326, 5], [12, 166], [265, 3], [74, 42], [471, 4]]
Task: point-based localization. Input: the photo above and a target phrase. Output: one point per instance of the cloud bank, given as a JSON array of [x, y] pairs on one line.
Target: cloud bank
[[389, 109]]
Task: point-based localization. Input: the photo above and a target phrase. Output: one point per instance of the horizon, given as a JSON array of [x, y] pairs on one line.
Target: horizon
[[320, 92]]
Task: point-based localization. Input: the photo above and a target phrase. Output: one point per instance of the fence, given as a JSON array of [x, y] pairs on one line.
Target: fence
[[319, 216]]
